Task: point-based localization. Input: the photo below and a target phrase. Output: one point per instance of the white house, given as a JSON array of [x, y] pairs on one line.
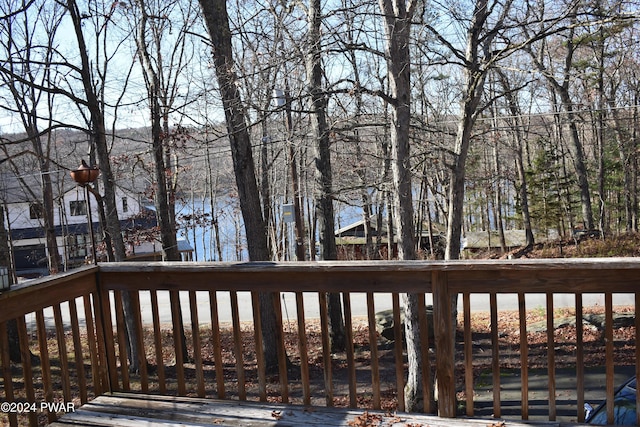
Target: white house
[[24, 222]]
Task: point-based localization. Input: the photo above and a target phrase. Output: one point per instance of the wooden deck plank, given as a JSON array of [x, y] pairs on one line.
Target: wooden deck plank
[[132, 409]]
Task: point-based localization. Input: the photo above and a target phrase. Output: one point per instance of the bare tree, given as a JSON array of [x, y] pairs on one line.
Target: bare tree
[[5, 261], [93, 103], [397, 23], [28, 63], [518, 147], [161, 80], [322, 161], [217, 22], [561, 82]]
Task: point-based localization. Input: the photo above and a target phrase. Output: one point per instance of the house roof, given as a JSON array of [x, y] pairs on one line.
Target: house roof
[[184, 246], [356, 229], [352, 228], [513, 238], [13, 189]]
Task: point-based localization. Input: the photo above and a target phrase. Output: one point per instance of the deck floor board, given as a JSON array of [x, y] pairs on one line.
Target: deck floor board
[[133, 409]]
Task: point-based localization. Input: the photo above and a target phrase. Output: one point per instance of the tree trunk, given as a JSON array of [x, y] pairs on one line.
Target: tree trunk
[[102, 151], [264, 182], [456, 186], [164, 212], [398, 30], [217, 22], [498, 200], [163, 197], [600, 132], [5, 261], [524, 199], [323, 174], [474, 79], [626, 153], [53, 256], [562, 89], [514, 109], [578, 161]]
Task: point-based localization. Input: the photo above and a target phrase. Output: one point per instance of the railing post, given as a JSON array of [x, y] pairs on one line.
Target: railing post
[[104, 337], [445, 345]]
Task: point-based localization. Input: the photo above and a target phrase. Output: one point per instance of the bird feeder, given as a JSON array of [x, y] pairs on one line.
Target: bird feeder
[[85, 174]]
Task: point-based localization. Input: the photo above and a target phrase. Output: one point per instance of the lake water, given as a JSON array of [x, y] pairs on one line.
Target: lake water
[[195, 226]]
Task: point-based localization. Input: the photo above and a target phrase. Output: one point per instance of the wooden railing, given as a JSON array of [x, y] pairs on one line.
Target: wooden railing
[[73, 339], [49, 373]]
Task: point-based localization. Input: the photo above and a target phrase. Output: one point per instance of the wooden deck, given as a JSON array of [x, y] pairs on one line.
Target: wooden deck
[[80, 316], [132, 409]]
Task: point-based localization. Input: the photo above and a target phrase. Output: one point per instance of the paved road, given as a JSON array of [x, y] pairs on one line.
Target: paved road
[[358, 305]]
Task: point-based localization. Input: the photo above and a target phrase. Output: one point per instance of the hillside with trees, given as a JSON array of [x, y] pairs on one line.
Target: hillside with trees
[[541, 136]]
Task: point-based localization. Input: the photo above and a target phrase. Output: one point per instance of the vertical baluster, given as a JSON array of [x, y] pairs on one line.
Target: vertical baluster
[[139, 336], [197, 346], [62, 350], [77, 351], [27, 372], [445, 344], [122, 341], [468, 353], [397, 349], [282, 353], [495, 354], [6, 371], [425, 327], [257, 333], [157, 342], [237, 339], [637, 309], [326, 348], [524, 356], [608, 339], [579, 359], [373, 348], [106, 336], [44, 363], [215, 337], [174, 297], [351, 364], [303, 349], [93, 348], [551, 360]]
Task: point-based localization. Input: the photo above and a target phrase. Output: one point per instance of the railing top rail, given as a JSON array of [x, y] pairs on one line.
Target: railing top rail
[[542, 275], [44, 292], [46, 281], [414, 265], [563, 275]]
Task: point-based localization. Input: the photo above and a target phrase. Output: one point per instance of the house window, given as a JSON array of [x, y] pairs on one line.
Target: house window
[[77, 245], [125, 205], [36, 210], [78, 207]]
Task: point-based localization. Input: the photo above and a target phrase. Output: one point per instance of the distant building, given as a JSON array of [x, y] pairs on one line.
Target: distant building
[[24, 223], [478, 241], [351, 240]]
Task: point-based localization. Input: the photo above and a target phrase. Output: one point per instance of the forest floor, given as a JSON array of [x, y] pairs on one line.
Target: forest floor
[[509, 351], [622, 245]]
